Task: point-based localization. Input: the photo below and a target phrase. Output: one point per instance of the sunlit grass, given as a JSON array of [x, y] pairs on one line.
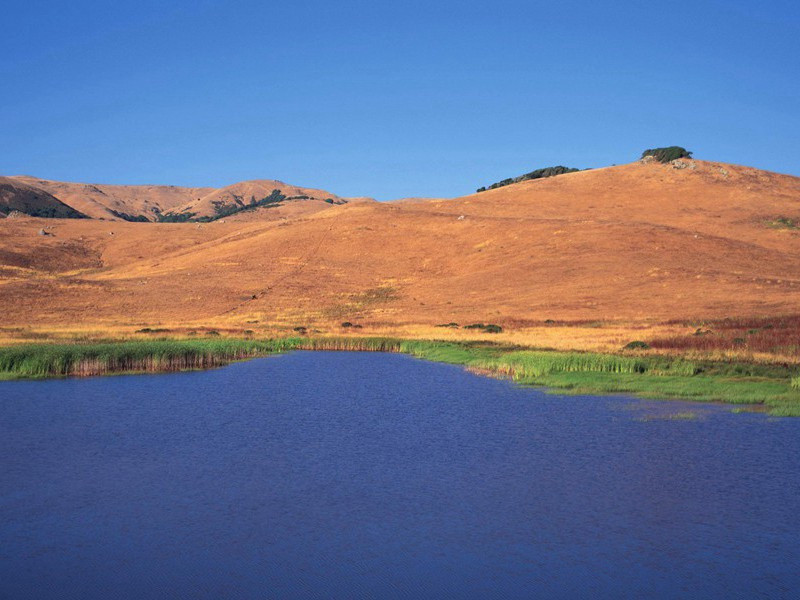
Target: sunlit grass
[[48, 360]]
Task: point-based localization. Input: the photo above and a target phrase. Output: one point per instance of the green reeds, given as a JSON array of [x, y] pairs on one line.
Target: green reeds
[[41, 360]]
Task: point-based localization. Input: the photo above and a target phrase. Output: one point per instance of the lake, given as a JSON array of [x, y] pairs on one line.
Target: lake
[[365, 475]]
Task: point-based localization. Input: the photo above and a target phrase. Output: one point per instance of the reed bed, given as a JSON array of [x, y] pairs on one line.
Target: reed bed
[[527, 364], [49, 360]]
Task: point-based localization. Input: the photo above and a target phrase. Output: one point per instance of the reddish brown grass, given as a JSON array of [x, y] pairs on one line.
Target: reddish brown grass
[[778, 335]]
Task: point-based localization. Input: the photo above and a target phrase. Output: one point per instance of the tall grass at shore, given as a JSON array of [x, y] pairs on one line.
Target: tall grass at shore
[[46, 360], [527, 364], [573, 372]]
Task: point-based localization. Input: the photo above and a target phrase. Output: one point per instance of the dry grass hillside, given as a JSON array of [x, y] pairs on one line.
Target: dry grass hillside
[[590, 259], [99, 200], [246, 192]]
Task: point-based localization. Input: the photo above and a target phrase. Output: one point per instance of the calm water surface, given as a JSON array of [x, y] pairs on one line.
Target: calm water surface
[[347, 475]]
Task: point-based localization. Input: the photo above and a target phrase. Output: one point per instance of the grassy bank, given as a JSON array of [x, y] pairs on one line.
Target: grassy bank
[[775, 388], [55, 360]]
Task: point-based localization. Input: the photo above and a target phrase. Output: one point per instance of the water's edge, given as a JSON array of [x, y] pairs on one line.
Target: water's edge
[[751, 386]]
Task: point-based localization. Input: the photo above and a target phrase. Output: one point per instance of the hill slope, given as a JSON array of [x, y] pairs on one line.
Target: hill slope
[[638, 242], [19, 197], [101, 201]]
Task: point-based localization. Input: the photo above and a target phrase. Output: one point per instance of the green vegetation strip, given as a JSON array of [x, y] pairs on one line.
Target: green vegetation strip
[[773, 387]]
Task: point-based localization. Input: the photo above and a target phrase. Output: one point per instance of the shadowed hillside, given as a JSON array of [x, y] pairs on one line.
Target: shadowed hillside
[[18, 197]]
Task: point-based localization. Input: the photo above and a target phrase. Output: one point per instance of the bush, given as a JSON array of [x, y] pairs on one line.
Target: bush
[[176, 217], [490, 328], [126, 217], [537, 174], [637, 345], [668, 154], [783, 223]]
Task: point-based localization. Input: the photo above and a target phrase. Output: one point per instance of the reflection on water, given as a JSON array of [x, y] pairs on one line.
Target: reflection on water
[[342, 475]]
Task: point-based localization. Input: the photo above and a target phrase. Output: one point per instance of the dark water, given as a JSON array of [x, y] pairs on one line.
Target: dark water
[[350, 475]]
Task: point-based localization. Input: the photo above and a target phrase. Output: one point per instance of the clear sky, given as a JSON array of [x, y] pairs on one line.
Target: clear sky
[[390, 99]]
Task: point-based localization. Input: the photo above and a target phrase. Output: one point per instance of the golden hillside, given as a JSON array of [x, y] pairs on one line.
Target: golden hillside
[[635, 243]]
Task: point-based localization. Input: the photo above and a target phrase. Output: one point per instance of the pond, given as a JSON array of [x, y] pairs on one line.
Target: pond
[[341, 475]]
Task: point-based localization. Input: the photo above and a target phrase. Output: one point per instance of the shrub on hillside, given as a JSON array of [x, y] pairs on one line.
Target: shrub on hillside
[[537, 174], [176, 217], [487, 328], [126, 217], [637, 345], [668, 154]]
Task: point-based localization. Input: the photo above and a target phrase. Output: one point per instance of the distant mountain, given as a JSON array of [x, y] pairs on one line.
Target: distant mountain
[[144, 203], [117, 202], [249, 196]]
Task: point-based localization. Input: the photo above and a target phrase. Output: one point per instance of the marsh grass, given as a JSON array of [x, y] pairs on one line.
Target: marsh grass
[[37, 361], [567, 372]]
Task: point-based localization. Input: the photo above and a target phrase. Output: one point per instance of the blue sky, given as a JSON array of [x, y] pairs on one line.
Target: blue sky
[[390, 99]]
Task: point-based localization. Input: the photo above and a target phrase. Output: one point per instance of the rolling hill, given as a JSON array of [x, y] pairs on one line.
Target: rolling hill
[[116, 202], [641, 244], [141, 203]]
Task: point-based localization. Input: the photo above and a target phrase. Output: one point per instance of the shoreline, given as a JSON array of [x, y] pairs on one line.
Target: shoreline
[[773, 388]]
